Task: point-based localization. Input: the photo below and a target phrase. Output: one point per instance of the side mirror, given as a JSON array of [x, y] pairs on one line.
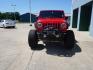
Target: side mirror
[[66, 18]]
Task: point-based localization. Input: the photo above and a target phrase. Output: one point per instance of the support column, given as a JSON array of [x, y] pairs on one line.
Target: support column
[[71, 19], [91, 24], [78, 22]]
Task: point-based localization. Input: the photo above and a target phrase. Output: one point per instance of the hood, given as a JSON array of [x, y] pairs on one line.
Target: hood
[[51, 20]]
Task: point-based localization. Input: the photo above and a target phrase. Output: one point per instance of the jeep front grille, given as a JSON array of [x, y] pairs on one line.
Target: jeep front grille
[[55, 25]]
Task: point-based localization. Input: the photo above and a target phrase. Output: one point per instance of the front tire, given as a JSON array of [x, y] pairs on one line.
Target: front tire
[[32, 39], [69, 40], [13, 26]]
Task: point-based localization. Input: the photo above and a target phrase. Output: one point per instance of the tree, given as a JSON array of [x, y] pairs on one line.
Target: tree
[[10, 15]]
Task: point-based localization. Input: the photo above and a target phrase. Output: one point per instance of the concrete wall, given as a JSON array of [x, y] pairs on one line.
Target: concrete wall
[[78, 4], [91, 26]]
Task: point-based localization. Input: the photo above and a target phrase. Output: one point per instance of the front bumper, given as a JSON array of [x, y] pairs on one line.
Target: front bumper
[[9, 25], [51, 35]]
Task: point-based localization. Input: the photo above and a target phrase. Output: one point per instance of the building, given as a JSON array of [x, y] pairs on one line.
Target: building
[[26, 17], [82, 15]]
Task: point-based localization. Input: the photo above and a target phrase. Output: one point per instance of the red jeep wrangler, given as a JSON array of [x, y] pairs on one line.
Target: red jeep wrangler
[[51, 26]]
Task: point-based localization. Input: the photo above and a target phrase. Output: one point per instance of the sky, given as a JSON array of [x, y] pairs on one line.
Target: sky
[[22, 6]]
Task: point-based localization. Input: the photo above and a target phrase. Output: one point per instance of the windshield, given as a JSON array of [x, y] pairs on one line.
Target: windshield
[[51, 14]]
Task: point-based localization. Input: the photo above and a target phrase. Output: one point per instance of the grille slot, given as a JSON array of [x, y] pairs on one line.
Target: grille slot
[[55, 25]]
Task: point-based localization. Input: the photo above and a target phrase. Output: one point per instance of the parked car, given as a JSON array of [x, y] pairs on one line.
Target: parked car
[[7, 23], [51, 26]]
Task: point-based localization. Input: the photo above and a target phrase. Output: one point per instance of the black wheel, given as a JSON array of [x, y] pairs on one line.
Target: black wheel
[[32, 39], [13, 26], [69, 40]]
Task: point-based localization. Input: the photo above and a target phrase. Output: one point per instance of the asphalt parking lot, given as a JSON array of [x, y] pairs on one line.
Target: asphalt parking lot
[[15, 54]]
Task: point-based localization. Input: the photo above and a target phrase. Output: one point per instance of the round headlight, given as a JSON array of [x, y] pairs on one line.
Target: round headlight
[[39, 24], [63, 25]]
